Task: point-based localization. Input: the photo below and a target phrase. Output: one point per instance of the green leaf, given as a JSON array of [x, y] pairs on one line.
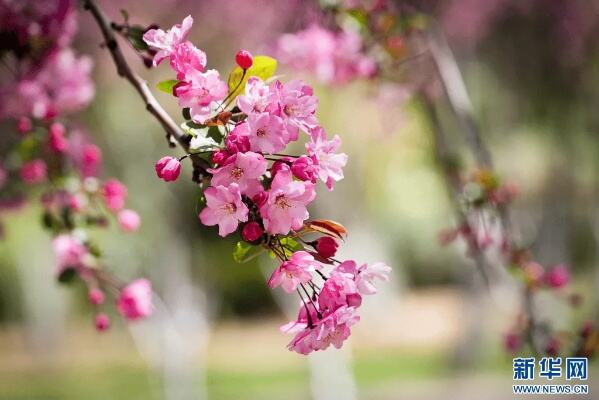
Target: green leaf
[[290, 246], [135, 35], [167, 86], [264, 67], [245, 252], [67, 275]]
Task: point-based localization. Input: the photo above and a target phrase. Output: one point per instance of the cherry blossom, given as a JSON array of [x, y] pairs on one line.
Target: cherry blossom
[[330, 164], [166, 42], [244, 169], [135, 300], [297, 270], [285, 208], [224, 208], [199, 91]]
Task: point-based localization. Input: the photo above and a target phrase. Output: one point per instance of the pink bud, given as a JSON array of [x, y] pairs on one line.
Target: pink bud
[[96, 296], [33, 172], [115, 194], [102, 322], [553, 347], [92, 157], [56, 138], [168, 168], [260, 198], [24, 125], [303, 168], [512, 342], [326, 247], [129, 220], [278, 166], [251, 231], [557, 277], [587, 329], [219, 157], [244, 59], [135, 300], [237, 143]]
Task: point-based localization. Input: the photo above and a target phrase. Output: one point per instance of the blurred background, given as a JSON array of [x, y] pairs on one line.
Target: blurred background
[[433, 332]]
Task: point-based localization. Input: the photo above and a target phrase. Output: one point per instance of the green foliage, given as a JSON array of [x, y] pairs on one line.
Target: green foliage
[[167, 86], [245, 252], [135, 34], [264, 67]]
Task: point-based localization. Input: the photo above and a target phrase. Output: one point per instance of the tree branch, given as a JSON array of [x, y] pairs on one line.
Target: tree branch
[[140, 85]]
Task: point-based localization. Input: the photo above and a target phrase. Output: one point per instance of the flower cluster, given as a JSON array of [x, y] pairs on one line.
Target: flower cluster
[[240, 133], [49, 157], [333, 57]]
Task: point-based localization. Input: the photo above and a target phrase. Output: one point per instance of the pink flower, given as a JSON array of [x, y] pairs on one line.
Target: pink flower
[[367, 274], [257, 96], [96, 296], [267, 133], [294, 272], [244, 59], [199, 91], [326, 247], [69, 252], [333, 329], [512, 342], [166, 42], [237, 141], [339, 290], [285, 208], [297, 104], [168, 168], [244, 169], [330, 165], [187, 57], [57, 140], [115, 194], [34, 171], [24, 125], [102, 322], [219, 157], [251, 231], [302, 321], [305, 168], [135, 300], [129, 220], [557, 277], [224, 208], [91, 160]]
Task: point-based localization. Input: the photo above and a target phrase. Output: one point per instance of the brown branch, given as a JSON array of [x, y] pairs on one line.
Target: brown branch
[[457, 96], [140, 85]]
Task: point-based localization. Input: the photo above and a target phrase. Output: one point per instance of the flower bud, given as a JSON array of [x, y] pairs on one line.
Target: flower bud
[[303, 168], [168, 168], [557, 277], [92, 158], [512, 342], [237, 143], [102, 322], [96, 296], [24, 125], [260, 198], [56, 139], [278, 166], [252, 231], [219, 157], [244, 59], [135, 300], [129, 220], [326, 247], [33, 172]]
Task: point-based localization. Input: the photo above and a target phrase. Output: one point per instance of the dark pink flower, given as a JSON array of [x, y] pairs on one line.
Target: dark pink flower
[[244, 169], [251, 231], [69, 252], [339, 289], [304, 168], [512, 342], [96, 296], [92, 158], [56, 138], [102, 322], [326, 247], [557, 277], [135, 300], [34, 171], [115, 194], [168, 168], [244, 59]]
